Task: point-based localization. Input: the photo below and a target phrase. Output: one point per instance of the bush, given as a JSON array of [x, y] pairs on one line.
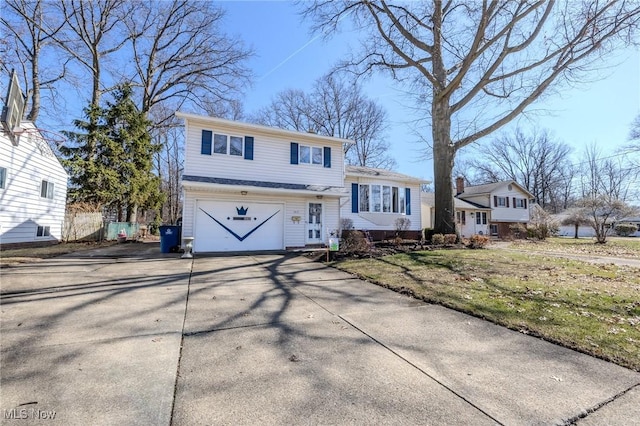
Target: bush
[[478, 241], [450, 239], [518, 230], [346, 224], [354, 242], [625, 229], [437, 239]]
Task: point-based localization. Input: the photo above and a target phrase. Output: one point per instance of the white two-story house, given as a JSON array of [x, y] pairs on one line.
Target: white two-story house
[[33, 189], [250, 187], [509, 203]]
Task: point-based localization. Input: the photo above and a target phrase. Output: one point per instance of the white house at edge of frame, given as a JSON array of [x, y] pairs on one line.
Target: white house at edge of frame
[[378, 198], [249, 187], [33, 189]]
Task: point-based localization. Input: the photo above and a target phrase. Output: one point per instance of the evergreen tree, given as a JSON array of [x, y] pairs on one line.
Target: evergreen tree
[[111, 161], [91, 180], [131, 152]]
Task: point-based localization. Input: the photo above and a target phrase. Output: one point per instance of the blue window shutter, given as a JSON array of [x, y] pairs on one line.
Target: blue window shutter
[[327, 157], [294, 153], [248, 147], [206, 142], [407, 199], [354, 198]]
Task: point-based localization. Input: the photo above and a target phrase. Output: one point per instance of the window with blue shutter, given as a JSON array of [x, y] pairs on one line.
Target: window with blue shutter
[[407, 199], [248, 147], [206, 142], [327, 157], [294, 153]]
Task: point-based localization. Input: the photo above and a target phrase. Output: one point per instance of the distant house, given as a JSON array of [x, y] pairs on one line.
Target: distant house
[[491, 209], [509, 203], [378, 198], [471, 219], [33, 189], [632, 221]]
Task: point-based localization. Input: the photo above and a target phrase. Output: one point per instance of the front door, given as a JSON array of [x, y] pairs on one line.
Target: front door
[[314, 224]]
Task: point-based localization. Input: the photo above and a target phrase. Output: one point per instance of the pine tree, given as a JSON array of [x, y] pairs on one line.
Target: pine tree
[[120, 173]]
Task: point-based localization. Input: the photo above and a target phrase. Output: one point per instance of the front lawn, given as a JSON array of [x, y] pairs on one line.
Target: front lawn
[[614, 247], [591, 308]]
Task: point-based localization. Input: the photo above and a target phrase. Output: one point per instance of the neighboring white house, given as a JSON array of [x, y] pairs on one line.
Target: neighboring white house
[[632, 221], [379, 197], [470, 219], [33, 189], [251, 187], [509, 203], [494, 208]]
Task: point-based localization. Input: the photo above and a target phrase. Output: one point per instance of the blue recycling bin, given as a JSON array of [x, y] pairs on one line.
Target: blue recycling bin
[[169, 238]]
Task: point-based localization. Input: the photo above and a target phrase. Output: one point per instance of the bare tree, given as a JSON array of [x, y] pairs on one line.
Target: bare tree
[[181, 54], [577, 217], [335, 107], [534, 160], [605, 184], [475, 66], [23, 22]]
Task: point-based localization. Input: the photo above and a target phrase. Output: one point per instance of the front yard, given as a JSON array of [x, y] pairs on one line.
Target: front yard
[[591, 308]]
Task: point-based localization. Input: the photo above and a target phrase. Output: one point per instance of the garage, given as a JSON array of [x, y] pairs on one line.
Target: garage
[[238, 226]]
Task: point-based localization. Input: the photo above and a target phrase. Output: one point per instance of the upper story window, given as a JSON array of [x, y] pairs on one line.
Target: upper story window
[[310, 155], [500, 201], [3, 177], [379, 199], [520, 203], [46, 189], [314, 155], [218, 143]]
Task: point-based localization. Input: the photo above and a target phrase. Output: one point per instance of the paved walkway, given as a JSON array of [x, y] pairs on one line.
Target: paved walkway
[[105, 338]]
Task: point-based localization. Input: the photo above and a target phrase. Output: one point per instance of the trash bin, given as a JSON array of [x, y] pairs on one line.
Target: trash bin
[[169, 238]]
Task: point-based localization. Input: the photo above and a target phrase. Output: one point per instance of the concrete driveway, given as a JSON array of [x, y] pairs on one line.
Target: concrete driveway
[[114, 337]]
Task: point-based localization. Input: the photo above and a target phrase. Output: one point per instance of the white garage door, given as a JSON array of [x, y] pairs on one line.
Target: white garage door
[[238, 226]]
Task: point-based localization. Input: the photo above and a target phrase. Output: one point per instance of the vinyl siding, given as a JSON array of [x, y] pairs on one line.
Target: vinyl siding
[[22, 209], [271, 158], [294, 232], [382, 221]]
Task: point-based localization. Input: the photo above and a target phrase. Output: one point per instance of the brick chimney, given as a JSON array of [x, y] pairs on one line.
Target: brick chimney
[[459, 185]]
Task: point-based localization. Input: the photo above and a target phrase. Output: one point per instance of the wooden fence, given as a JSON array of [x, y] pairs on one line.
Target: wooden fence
[[81, 226]]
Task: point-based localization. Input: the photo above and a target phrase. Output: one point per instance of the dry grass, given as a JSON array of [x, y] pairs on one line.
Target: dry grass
[[591, 308], [36, 254], [614, 247]]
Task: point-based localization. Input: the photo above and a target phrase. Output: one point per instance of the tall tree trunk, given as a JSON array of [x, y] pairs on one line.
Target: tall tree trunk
[[132, 212], [443, 159], [576, 234]]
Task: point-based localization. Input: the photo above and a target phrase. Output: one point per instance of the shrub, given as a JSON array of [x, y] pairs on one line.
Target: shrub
[[478, 241], [450, 239], [625, 229], [402, 224], [518, 230], [354, 242], [346, 224], [437, 239]]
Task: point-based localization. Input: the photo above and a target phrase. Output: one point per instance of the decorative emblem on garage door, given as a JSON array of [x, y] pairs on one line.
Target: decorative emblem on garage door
[[242, 215]]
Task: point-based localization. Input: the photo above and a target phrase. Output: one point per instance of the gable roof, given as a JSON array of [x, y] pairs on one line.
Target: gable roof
[[491, 187], [429, 198], [369, 172], [250, 127]]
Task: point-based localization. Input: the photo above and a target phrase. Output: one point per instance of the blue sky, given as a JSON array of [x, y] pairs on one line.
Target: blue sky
[[288, 56]]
